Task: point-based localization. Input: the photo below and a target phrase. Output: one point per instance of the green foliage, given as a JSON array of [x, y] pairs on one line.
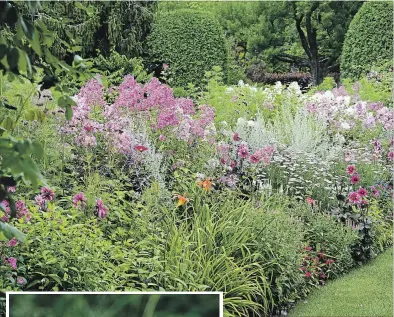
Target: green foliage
[[116, 66], [104, 305], [190, 42], [103, 25], [369, 40]]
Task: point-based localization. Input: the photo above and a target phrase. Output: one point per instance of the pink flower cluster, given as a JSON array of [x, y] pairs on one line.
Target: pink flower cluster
[[46, 195], [21, 211], [150, 103], [345, 112]]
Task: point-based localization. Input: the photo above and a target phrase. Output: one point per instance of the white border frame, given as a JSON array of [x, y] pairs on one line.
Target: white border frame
[[117, 293]]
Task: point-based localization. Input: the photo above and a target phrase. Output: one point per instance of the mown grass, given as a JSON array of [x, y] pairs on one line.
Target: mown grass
[[367, 291]]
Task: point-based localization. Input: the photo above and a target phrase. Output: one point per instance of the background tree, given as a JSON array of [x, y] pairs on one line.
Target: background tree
[[122, 25], [321, 27]]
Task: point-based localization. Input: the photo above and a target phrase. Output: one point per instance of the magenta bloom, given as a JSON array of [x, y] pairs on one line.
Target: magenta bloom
[[39, 200], [351, 169], [4, 218], [243, 151], [12, 262], [47, 193], [355, 179], [162, 137], [140, 148], [236, 137], [362, 192], [79, 198], [13, 242], [310, 201], [11, 189], [391, 155], [354, 198], [165, 66], [101, 210]]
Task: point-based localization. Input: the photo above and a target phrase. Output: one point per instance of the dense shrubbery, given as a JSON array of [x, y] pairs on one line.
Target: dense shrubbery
[[369, 40], [190, 42]]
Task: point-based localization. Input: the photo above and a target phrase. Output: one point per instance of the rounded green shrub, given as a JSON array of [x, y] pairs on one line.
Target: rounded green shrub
[[191, 43], [369, 40]]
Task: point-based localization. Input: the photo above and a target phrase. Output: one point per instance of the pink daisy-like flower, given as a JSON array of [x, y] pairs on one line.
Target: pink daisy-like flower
[[255, 158], [101, 210], [350, 169], [243, 151], [79, 198], [12, 262], [13, 242], [162, 137], [47, 193], [354, 198], [140, 148], [236, 137], [362, 192], [355, 179]]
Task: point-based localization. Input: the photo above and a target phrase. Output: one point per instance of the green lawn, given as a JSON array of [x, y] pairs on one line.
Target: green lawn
[[367, 291]]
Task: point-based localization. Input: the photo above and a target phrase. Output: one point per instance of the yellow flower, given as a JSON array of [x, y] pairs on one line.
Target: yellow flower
[[182, 200]]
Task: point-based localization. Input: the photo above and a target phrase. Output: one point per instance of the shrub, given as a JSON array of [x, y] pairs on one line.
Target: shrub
[[190, 42], [369, 39]]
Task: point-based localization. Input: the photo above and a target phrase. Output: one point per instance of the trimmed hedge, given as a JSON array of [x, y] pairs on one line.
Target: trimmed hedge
[[369, 40], [191, 43]]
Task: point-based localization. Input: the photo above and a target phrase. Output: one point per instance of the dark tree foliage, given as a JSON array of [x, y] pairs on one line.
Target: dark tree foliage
[[321, 27], [122, 25]]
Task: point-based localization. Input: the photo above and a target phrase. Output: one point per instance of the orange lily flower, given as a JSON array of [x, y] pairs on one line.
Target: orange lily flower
[[182, 200], [206, 185]]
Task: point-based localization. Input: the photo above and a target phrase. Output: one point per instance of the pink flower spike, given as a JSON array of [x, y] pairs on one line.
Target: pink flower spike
[[79, 198], [140, 148], [13, 242], [350, 169], [12, 262], [101, 210], [355, 179]]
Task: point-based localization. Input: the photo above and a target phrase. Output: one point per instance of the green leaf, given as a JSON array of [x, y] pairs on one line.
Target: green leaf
[[12, 232], [69, 112], [7, 123], [13, 58]]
